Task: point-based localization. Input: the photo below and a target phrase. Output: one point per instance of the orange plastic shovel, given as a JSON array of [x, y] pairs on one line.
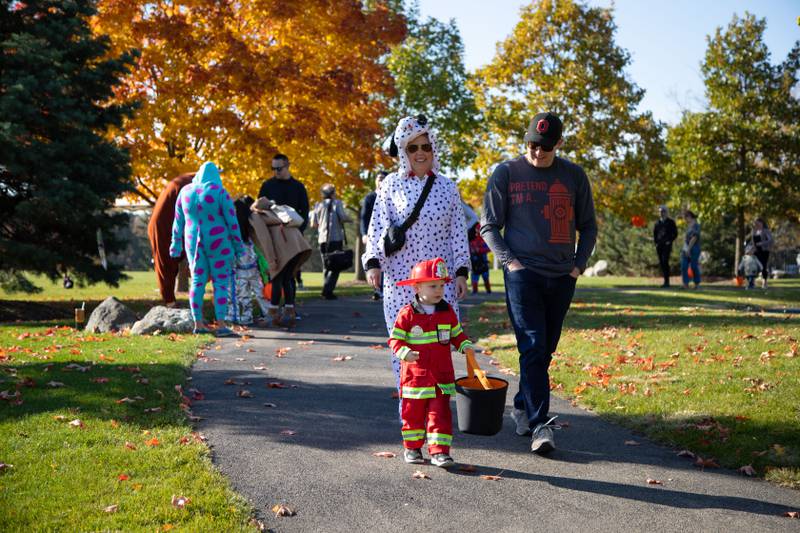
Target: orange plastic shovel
[[474, 370]]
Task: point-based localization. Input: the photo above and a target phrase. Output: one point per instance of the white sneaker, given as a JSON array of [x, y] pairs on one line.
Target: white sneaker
[[542, 440], [520, 417]]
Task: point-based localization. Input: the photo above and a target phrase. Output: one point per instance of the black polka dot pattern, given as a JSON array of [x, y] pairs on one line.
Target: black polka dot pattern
[[439, 231]]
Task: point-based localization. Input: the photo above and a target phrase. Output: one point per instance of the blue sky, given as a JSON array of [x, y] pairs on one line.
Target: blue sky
[[666, 39]]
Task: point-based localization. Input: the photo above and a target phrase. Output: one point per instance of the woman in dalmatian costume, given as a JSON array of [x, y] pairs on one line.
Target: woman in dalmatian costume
[[439, 231]]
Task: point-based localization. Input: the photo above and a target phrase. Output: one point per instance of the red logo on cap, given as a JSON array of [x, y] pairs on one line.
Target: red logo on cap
[[542, 126]]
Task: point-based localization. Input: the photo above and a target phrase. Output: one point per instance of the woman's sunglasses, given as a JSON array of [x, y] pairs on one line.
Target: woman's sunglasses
[[411, 148], [534, 146]]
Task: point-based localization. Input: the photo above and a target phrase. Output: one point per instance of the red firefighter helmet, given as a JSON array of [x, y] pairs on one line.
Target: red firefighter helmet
[[430, 270]]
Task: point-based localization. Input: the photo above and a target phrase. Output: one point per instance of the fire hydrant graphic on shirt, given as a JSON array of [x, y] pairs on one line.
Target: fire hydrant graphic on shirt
[[559, 212]]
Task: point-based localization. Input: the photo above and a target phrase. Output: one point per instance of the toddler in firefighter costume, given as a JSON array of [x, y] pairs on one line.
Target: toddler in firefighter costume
[[421, 339]]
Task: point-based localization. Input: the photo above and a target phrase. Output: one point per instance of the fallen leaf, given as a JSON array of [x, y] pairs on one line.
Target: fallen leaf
[[387, 455], [705, 463], [748, 470], [130, 445], [123, 477], [281, 352], [792, 514], [305, 343], [125, 400], [654, 482], [60, 418], [277, 385], [342, 357], [288, 432], [4, 466], [631, 443], [491, 478], [76, 367], [377, 346], [153, 410], [250, 350], [54, 384], [114, 423], [467, 468], [262, 367], [270, 405], [153, 442], [686, 453], [240, 359], [244, 393], [230, 381], [111, 508], [180, 502], [419, 474], [282, 510], [100, 380], [77, 424]]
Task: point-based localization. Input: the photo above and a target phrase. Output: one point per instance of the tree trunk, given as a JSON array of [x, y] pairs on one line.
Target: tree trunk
[[360, 274], [739, 239], [183, 276]]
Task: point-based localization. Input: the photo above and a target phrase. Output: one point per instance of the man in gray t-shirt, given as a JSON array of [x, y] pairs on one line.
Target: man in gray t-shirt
[[541, 201]]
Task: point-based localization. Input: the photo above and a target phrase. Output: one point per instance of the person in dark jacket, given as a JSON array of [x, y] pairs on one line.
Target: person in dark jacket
[[664, 233], [159, 231], [284, 189], [367, 206]]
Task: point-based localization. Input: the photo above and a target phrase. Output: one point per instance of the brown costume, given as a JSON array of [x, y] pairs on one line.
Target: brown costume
[[278, 243], [159, 231]]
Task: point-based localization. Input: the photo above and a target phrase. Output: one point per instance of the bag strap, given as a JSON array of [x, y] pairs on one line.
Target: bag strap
[[420, 202]]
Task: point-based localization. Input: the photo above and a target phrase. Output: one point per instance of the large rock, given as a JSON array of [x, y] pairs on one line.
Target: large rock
[[111, 315], [600, 268], [166, 320]]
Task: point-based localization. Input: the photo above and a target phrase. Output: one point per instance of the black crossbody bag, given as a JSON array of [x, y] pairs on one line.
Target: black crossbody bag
[[395, 237], [339, 260]]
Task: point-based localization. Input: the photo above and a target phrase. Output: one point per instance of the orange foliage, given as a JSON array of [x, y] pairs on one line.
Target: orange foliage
[[236, 82]]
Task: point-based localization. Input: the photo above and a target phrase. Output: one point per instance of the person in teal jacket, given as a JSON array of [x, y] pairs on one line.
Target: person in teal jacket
[[206, 226]]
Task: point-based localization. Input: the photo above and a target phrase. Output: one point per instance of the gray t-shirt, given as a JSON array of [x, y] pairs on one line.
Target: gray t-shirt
[[540, 209]]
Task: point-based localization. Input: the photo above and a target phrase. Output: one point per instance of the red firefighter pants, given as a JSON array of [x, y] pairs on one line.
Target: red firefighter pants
[[431, 416]]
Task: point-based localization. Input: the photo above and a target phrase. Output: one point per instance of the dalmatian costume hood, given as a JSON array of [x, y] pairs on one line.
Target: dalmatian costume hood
[[439, 231]]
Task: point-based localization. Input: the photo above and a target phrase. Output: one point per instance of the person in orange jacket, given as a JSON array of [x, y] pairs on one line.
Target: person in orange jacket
[[423, 333]]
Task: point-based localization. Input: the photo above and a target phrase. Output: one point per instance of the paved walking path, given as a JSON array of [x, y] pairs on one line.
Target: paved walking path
[[343, 412]]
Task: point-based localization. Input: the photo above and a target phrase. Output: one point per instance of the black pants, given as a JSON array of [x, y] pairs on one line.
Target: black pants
[[282, 284], [763, 257], [331, 276], [664, 251]]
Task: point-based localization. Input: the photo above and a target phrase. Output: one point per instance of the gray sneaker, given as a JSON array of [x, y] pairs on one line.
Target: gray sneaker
[[520, 417], [442, 460], [413, 457], [542, 440]]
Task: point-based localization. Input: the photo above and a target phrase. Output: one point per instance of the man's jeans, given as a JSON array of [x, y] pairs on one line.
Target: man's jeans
[[537, 306]]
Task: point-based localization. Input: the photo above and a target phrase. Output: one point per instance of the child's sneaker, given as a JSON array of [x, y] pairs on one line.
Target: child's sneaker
[[413, 457], [442, 459]]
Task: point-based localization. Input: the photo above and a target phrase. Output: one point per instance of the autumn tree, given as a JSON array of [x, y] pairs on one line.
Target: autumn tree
[[561, 57], [235, 82], [59, 175], [741, 156], [430, 78]]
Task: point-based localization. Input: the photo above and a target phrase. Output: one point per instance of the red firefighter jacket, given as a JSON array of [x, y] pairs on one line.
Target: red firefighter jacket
[[431, 336]]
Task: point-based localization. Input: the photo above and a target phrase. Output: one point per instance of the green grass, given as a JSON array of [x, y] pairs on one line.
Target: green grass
[[693, 369], [64, 477]]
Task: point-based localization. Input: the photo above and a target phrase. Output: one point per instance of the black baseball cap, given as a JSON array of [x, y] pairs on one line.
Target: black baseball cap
[[544, 129]]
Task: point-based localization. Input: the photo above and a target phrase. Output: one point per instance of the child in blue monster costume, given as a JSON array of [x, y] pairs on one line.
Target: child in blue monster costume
[[206, 225]]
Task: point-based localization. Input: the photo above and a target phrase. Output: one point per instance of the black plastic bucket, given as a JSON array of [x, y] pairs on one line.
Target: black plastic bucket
[[480, 411]]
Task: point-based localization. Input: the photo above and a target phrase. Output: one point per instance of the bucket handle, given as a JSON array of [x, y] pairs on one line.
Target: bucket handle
[[474, 370]]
